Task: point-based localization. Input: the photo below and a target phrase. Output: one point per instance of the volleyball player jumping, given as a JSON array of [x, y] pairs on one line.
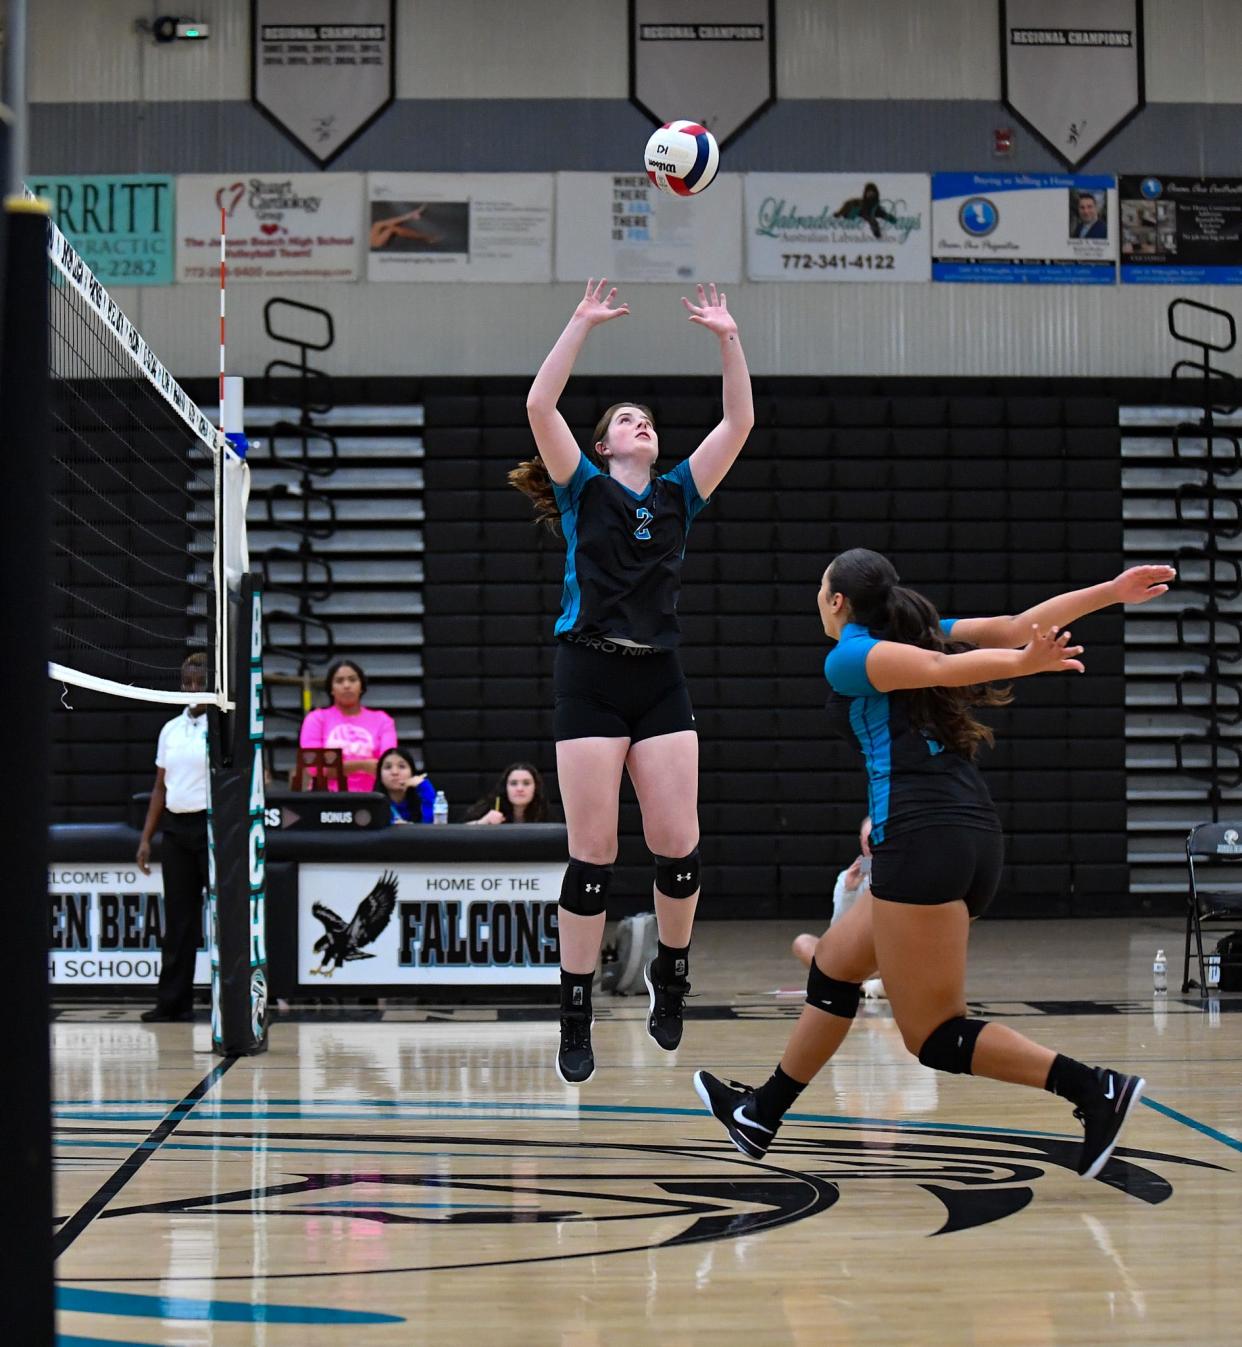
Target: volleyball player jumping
[[903, 683], [621, 697]]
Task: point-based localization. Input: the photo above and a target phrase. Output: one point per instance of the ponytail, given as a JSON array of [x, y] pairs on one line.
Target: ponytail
[[895, 613]]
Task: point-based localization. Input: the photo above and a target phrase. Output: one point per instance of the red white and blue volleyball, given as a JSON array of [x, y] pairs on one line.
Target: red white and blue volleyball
[[682, 158]]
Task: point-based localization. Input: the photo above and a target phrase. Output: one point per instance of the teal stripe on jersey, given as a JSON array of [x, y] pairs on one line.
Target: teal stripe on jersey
[[869, 720], [571, 594]]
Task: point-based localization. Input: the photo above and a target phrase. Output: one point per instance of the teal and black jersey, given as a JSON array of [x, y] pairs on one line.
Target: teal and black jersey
[[623, 555], [913, 781]]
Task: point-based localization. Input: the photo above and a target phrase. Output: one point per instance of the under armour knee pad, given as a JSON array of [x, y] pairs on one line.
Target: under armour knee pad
[[677, 877], [951, 1047], [584, 890], [831, 995]]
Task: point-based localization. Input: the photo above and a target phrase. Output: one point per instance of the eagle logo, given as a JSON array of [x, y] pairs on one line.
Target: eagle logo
[[340, 942]]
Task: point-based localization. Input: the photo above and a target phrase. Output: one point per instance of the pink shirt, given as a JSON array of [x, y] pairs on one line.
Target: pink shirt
[[369, 734]]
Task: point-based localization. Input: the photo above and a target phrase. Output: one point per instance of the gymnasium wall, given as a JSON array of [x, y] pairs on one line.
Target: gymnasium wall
[[872, 85]]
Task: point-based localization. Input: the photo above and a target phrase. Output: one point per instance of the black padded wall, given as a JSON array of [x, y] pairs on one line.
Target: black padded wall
[[988, 495]]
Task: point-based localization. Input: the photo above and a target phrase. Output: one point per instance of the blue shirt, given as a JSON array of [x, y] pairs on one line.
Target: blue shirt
[[417, 807], [913, 780], [623, 554]]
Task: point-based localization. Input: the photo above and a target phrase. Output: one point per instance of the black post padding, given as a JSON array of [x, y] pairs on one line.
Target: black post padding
[[238, 845], [26, 1314]]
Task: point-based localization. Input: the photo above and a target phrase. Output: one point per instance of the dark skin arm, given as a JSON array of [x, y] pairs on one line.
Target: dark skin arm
[[155, 811]]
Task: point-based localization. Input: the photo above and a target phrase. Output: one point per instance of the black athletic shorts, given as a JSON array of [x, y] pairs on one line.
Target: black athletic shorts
[[615, 692], [939, 865]]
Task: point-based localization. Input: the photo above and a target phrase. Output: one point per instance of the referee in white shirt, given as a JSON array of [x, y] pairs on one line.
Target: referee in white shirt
[[179, 809]]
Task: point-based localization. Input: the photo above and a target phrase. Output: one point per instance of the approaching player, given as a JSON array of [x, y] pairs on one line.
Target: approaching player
[[621, 698], [903, 684]]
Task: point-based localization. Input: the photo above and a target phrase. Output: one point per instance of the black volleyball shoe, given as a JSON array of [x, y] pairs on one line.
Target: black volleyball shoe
[[575, 1058], [666, 1005], [734, 1106], [1103, 1117]]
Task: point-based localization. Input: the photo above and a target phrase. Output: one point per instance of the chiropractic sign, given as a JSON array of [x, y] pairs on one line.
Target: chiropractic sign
[[121, 226]]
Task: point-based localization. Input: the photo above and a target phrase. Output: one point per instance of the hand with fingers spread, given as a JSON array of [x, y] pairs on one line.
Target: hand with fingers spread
[[1050, 652], [595, 307], [1141, 583], [711, 312]]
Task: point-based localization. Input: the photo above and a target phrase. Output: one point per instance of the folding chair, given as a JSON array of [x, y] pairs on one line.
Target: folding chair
[[1210, 844], [316, 767]]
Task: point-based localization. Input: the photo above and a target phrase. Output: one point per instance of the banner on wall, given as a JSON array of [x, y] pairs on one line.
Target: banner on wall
[[1181, 231], [1072, 70], [322, 71], [620, 225], [121, 225], [1024, 228], [428, 924], [281, 227], [105, 923], [838, 226], [713, 61], [459, 227]]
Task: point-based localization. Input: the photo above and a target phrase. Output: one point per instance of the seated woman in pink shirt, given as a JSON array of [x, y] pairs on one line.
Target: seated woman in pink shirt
[[361, 734]]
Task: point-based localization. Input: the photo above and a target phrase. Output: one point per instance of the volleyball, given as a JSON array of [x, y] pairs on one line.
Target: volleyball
[[682, 158]]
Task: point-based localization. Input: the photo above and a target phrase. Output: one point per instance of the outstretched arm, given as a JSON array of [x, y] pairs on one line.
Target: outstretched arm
[[893, 666], [553, 438], [1136, 585], [714, 457]]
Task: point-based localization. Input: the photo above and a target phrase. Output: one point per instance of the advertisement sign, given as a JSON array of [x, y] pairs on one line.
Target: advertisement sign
[[1072, 70], [620, 225], [121, 226], [1181, 230], [838, 226], [280, 227], [713, 61], [428, 924], [105, 922], [322, 71], [459, 227], [1024, 228]]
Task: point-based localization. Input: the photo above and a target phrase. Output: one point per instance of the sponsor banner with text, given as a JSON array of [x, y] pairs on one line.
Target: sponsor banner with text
[[838, 226], [280, 226], [428, 924], [620, 225], [459, 227], [121, 226], [1181, 230], [1024, 228]]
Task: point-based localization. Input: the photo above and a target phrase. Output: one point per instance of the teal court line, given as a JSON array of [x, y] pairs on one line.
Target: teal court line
[[131, 1305], [1223, 1137]]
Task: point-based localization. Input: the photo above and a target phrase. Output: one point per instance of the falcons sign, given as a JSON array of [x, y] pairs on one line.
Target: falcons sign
[[1072, 70]]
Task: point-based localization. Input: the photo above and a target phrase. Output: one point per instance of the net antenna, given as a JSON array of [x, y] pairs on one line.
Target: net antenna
[[148, 506]]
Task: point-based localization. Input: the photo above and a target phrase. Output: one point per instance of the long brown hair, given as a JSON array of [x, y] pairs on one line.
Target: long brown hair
[[877, 602], [530, 477], [536, 811]]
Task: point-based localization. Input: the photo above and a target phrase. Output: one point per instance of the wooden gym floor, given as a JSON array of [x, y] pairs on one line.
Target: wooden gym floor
[[416, 1176]]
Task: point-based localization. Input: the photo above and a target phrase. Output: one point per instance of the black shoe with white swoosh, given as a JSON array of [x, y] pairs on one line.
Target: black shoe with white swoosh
[[666, 1006], [1103, 1116], [734, 1105]]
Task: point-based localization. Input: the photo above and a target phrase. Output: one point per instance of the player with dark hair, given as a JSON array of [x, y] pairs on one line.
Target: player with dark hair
[[904, 684], [621, 697]]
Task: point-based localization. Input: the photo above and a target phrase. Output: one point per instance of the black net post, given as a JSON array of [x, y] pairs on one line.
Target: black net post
[[26, 1315]]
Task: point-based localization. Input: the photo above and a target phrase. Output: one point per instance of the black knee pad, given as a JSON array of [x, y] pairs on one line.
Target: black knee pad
[[677, 877], [951, 1047], [584, 890], [831, 995]]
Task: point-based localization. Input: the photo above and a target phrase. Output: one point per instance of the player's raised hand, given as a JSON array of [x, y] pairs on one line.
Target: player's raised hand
[[596, 305], [1141, 583], [711, 312], [1050, 652]]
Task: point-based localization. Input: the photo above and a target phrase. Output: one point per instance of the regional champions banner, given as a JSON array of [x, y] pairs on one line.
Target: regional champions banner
[[121, 226], [280, 226], [459, 227], [378, 924], [621, 225], [1024, 228], [1181, 231], [838, 227], [105, 923]]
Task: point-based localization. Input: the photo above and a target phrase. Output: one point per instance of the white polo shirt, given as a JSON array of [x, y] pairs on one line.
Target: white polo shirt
[[182, 753]]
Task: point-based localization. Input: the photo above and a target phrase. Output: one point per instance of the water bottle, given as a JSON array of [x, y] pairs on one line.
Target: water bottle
[[1213, 970], [439, 810], [1160, 973]]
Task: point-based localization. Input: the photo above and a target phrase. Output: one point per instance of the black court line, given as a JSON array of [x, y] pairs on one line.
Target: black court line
[[138, 1157]]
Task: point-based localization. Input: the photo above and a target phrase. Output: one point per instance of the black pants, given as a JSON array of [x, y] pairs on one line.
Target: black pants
[[183, 855]]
